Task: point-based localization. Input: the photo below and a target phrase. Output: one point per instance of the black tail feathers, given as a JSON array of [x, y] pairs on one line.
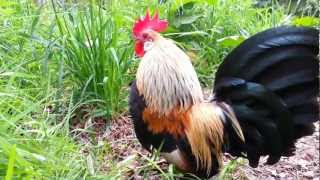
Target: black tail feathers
[[272, 83]]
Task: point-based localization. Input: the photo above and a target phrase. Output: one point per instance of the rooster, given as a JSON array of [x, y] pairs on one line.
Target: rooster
[[264, 98]]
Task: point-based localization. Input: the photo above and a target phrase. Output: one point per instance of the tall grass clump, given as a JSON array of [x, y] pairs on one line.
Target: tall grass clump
[[34, 134], [96, 55]]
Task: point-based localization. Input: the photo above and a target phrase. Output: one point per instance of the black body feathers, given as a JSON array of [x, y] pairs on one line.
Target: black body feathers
[[148, 139], [271, 82]]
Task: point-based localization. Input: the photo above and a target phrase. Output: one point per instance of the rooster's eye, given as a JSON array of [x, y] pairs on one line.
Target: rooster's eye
[[145, 36]]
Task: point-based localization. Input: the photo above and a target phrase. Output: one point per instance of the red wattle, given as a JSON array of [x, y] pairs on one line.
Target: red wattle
[[139, 48]]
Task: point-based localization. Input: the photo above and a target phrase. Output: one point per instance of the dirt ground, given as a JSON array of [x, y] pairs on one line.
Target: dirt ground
[[303, 165]]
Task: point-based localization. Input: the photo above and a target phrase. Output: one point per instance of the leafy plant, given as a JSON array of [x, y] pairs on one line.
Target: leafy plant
[[208, 30], [95, 55]]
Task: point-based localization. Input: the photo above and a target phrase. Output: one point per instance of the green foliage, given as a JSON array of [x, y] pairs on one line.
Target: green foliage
[[306, 21], [230, 41], [210, 29], [12, 157], [95, 54], [34, 143]]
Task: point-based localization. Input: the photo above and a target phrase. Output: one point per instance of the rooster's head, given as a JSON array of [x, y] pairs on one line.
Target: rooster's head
[[145, 30]]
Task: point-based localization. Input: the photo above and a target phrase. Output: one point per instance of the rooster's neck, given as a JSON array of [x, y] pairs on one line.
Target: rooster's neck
[[167, 79]]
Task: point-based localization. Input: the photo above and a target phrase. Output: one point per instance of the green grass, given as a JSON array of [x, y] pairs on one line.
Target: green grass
[[34, 143], [60, 59], [96, 56]]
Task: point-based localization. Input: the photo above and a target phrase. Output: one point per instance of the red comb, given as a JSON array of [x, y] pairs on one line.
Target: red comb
[[149, 23]]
